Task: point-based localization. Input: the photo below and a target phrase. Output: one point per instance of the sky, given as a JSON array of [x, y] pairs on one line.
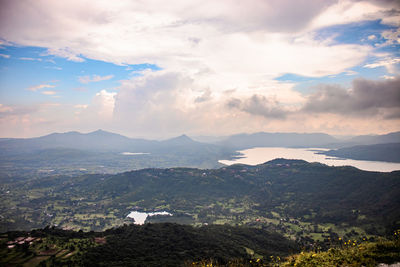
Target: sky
[[157, 69]]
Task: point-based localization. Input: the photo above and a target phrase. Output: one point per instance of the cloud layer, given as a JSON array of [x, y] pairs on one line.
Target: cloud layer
[[228, 37], [219, 61]]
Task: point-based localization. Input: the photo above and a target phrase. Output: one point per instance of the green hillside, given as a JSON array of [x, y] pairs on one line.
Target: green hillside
[[148, 245]]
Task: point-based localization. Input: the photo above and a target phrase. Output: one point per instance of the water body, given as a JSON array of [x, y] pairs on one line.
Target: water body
[[140, 217], [260, 155]]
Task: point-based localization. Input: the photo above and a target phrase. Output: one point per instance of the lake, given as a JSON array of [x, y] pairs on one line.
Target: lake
[[260, 155], [140, 217]]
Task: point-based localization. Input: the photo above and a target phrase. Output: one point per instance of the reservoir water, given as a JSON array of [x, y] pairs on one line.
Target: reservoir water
[[260, 155], [140, 217]]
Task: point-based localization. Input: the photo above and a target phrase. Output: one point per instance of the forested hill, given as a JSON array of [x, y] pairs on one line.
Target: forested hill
[[163, 244], [286, 190], [167, 244]]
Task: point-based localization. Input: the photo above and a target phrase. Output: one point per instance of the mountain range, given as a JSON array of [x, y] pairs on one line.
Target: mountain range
[[101, 151], [106, 141]]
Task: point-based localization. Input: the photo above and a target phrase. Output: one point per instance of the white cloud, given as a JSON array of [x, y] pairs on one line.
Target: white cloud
[[40, 86], [4, 108], [351, 72], [30, 59], [103, 104], [94, 78], [388, 77], [165, 103], [349, 11], [49, 92], [4, 56], [226, 37], [81, 106], [391, 36], [389, 63], [64, 53]]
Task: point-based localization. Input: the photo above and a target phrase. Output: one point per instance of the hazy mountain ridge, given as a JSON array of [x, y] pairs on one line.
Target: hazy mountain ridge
[[101, 151], [262, 139], [103, 141], [376, 139], [379, 152], [98, 141]]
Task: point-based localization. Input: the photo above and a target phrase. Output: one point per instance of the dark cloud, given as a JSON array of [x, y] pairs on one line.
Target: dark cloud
[[383, 3], [366, 97], [259, 105], [206, 96]]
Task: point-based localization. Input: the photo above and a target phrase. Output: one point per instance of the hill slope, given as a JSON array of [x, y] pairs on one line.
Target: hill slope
[[292, 191]]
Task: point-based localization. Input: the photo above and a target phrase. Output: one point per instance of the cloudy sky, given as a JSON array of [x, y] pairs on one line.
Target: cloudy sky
[[158, 69]]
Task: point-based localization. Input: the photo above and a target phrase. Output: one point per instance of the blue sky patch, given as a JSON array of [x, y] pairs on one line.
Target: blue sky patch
[[22, 69]]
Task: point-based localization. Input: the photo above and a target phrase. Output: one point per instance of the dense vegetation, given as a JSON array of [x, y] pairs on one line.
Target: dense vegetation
[[169, 244], [350, 253], [148, 245]]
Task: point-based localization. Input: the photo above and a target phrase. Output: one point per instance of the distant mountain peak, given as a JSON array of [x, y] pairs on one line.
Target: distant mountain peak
[[184, 136], [99, 131], [180, 139]]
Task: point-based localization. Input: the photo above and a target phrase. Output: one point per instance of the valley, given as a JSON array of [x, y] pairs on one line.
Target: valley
[[301, 200]]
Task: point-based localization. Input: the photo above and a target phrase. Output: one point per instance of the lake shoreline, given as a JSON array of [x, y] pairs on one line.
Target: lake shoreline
[[259, 155]]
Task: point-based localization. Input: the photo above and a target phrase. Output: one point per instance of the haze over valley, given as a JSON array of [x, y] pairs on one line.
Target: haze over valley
[[200, 133]]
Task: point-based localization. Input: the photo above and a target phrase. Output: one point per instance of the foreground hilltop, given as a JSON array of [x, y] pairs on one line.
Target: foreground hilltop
[[168, 244]]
